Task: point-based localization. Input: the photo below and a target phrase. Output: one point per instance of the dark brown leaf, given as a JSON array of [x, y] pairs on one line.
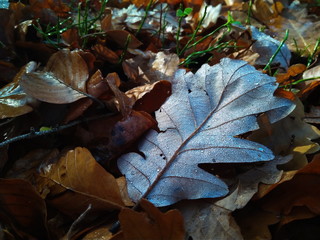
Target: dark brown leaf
[[77, 180], [150, 97], [151, 224], [120, 38], [23, 208]]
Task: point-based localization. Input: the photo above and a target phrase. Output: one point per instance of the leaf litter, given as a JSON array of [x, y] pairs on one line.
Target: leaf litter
[[117, 122]]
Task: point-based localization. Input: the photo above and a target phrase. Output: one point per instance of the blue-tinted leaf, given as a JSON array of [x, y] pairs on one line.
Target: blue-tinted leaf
[[198, 124]]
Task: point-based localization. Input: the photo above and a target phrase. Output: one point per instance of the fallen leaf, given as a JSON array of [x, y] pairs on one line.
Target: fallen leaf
[[291, 135], [301, 26], [120, 38], [307, 86], [150, 97], [301, 190], [74, 184], [266, 46], [204, 220], [293, 71], [151, 224], [13, 100], [313, 116], [254, 222], [105, 54], [62, 81], [198, 124], [23, 209], [149, 67]]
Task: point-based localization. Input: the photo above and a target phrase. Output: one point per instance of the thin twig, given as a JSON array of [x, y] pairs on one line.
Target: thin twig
[[34, 134]]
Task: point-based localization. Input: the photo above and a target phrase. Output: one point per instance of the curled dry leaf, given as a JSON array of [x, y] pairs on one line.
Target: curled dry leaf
[[63, 80], [122, 101], [150, 97], [307, 86], [23, 209], [151, 224], [13, 100], [198, 124], [77, 180]]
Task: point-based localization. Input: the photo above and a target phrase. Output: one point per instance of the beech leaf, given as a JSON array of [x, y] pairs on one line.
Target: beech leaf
[[73, 184], [62, 81], [198, 124], [23, 208]]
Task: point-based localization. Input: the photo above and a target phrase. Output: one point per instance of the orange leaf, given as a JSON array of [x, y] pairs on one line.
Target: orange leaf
[[151, 224], [78, 180]]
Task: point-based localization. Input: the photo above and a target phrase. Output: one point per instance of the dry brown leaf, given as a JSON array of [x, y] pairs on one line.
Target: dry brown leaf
[[120, 37], [70, 67], [205, 220], [313, 116], [13, 100], [291, 135], [77, 181], [292, 71], [151, 67], [27, 166], [307, 86], [62, 81], [129, 129], [105, 53], [301, 190], [151, 224], [23, 209], [122, 101], [301, 25], [150, 97], [254, 223]]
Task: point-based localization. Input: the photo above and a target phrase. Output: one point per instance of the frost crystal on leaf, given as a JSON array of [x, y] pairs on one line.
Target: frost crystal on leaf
[[198, 124]]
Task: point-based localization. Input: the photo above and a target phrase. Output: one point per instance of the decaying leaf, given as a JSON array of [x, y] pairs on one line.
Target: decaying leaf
[[62, 81], [151, 224], [198, 124], [291, 135], [266, 46], [307, 86], [13, 100], [150, 97], [149, 67], [74, 184], [301, 190], [204, 220], [214, 218], [301, 25], [23, 209]]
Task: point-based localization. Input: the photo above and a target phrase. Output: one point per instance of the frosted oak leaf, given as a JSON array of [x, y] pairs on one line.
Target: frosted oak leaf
[[198, 124]]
